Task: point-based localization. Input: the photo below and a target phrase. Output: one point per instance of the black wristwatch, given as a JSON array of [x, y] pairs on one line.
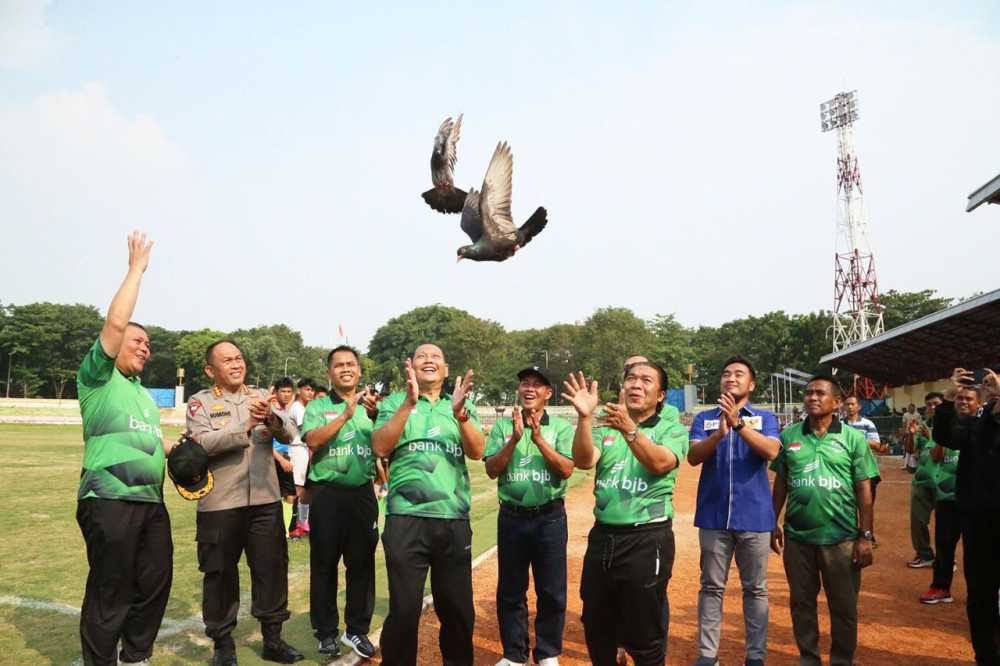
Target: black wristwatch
[[739, 425]]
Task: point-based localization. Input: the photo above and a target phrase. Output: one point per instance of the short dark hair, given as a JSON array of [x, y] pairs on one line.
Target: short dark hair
[[742, 361], [978, 390], [284, 382], [424, 344], [342, 348], [837, 390], [934, 394], [661, 373], [211, 348], [138, 325], [305, 381]]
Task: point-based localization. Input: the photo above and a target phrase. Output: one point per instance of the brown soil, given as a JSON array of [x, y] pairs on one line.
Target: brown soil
[[895, 627]]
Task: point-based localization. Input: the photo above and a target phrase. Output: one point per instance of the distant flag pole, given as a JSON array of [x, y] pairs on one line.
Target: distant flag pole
[[340, 331]]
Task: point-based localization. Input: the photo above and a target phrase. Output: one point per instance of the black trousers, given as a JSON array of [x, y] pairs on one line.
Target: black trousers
[[947, 532], [412, 546], [131, 558], [343, 523], [222, 537], [981, 544], [624, 592], [536, 540]]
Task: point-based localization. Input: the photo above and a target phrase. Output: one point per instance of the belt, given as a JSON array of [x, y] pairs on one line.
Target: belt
[[539, 510]]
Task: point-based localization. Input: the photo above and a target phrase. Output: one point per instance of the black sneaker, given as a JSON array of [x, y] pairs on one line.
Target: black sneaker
[[224, 657], [360, 644], [281, 652], [329, 647]]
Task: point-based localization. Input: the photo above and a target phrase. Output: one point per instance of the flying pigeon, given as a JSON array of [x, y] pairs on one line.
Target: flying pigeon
[[486, 215], [444, 197]]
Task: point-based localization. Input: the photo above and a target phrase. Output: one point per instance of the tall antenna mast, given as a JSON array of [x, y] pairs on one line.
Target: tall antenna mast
[[857, 312]]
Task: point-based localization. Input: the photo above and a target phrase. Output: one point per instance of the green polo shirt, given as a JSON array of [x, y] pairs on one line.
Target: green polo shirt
[[819, 474], [625, 492], [947, 470], [347, 459], [123, 448], [926, 473], [670, 413], [428, 475], [528, 481]]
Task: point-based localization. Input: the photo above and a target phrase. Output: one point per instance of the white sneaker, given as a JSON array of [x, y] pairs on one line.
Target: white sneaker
[[549, 661], [144, 662], [507, 662]]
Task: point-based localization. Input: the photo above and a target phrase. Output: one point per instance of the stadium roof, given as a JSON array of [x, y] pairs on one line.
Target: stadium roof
[[929, 348], [988, 193]]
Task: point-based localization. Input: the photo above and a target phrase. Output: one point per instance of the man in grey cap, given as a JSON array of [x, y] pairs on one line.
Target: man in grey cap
[[531, 456]]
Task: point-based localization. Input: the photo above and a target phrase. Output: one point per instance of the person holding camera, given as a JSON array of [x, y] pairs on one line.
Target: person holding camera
[[977, 490], [236, 426]]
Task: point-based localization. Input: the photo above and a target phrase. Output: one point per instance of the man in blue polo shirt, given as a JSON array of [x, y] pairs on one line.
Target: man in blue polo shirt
[[734, 442]]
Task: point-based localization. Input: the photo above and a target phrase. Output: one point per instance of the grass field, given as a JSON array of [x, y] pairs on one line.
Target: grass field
[[43, 561]]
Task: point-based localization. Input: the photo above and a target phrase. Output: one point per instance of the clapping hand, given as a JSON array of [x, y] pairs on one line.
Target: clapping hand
[[412, 387], [463, 387], [585, 399], [617, 417], [369, 400], [518, 425]]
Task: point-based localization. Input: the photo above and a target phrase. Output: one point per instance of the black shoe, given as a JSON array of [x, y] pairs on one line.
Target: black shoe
[[360, 644], [224, 657], [281, 652], [329, 647]]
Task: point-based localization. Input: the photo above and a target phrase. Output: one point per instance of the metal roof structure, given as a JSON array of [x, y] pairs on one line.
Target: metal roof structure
[[965, 335], [988, 193]]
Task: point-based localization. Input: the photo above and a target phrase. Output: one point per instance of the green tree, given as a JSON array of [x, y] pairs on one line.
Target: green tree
[[189, 353], [902, 307], [608, 337], [673, 347]]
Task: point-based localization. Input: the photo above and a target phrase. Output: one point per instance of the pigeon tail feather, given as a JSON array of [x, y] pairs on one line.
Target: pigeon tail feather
[[533, 226], [445, 202]]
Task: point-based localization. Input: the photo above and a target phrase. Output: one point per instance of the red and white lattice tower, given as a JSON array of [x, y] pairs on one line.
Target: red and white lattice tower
[[857, 313]]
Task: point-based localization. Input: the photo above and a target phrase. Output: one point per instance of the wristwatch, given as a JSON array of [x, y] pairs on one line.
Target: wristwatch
[[739, 425], [631, 435], [463, 416], [867, 535]]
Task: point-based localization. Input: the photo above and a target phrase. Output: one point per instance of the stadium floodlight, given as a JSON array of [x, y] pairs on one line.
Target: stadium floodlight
[[840, 111]]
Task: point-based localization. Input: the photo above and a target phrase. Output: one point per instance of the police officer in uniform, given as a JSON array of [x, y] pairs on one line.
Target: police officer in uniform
[[235, 425]]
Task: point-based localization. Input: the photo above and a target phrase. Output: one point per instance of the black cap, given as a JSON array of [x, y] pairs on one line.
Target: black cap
[[188, 469], [541, 373]]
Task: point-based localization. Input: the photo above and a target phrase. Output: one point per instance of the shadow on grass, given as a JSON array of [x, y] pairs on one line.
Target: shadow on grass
[[47, 633]]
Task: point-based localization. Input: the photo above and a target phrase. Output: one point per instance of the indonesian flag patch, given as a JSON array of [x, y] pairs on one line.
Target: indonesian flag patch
[[794, 446]]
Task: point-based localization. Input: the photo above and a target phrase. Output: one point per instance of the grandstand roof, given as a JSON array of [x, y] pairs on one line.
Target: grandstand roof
[[988, 193], [965, 335]]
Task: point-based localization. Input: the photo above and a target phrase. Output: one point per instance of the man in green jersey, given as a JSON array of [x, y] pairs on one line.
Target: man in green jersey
[[918, 442], [824, 469], [428, 434], [630, 550], [947, 520], [665, 410], [120, 499], [344, 509], [531, 456]]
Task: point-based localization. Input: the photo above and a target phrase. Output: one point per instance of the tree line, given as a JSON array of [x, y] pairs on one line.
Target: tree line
[[41, 345]]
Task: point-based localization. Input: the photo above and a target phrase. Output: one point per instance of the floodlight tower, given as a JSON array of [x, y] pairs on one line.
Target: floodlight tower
[[857, 312]]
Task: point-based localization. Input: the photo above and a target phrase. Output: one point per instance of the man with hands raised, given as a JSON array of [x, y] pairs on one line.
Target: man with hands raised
[[630, 550], [236, 426], [531, 456], [824, 470], [428, 435], [977, 490], [338, 431]]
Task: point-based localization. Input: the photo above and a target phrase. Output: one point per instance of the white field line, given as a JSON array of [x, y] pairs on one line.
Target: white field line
[[167, 628]]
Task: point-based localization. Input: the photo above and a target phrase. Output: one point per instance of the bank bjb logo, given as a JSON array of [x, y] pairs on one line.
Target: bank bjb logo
[[434, 431], [524, 462]]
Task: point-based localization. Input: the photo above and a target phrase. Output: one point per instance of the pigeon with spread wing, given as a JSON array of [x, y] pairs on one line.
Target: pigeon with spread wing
[[444, 197], [486, 216]]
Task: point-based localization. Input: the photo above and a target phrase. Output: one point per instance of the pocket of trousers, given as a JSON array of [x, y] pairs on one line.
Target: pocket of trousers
[[209, 549]]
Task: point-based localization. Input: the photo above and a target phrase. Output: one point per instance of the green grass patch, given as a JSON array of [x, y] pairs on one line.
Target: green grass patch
[[44, 558]]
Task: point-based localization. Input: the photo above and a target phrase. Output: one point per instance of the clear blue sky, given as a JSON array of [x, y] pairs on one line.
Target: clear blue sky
[[276, 155]]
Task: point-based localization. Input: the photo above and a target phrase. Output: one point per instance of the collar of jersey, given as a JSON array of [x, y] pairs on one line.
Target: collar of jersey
[[835, 427], [651, 421]]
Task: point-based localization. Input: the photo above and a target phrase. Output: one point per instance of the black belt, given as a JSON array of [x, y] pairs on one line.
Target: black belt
[[539, 510]]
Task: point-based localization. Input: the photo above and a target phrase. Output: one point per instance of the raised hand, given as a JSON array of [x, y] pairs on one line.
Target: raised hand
[[583, 398], [617, 417], [960, 378], [412, 388], [138, 252], [518, 420], [991, 383], [463, 387], [730, 412], [369, 399], [534, 422]]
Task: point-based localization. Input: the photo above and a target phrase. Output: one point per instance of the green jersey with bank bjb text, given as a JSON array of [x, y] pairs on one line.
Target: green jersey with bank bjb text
[[347, 459], [625, 492], [123, 449], [927, 470], [819, 474], [528, 481], [670, 413], [428, 475], [947, 471]]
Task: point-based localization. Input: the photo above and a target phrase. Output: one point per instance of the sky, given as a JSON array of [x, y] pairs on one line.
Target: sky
[[276, 154]]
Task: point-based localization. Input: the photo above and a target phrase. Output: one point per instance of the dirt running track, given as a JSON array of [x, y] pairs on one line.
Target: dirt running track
[[895, 627]]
